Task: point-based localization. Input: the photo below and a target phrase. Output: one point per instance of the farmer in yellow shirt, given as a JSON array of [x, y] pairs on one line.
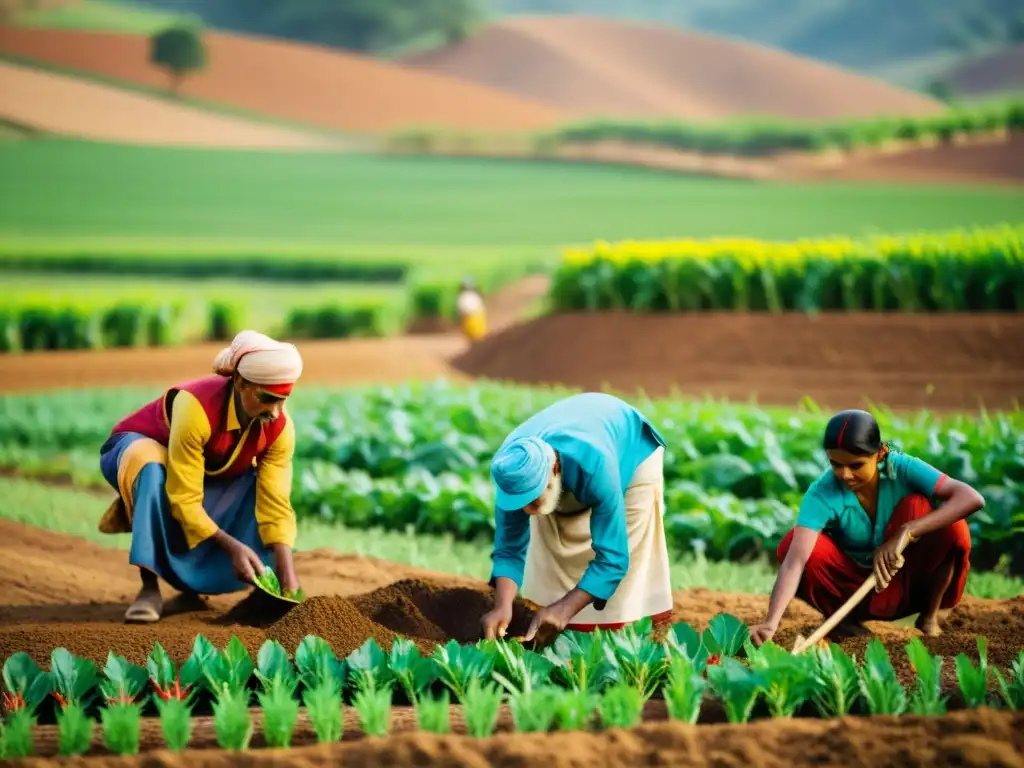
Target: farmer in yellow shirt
[[472, 313], [204, 476]]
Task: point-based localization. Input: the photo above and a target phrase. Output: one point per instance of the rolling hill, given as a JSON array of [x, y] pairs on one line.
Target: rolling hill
[[592, 67], [878, 37], [66, 106], [306, 84], [994, 73]]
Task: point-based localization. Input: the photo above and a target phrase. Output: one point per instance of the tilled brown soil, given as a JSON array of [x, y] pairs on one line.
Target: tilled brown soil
[[984, 738], [57, 590], [841, 360]]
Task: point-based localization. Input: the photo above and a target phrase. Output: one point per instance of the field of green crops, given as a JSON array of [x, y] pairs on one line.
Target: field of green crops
[[417, 456], [59, 311], [584, 681], [971, 270], [63, 188]]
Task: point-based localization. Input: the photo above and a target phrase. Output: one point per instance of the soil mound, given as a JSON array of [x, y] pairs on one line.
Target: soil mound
[[777, 359], [335, 619], [421, 610], [596, 67], [304, 83], [67, 106]]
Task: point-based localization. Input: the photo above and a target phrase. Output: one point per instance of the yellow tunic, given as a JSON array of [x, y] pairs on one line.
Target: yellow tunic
[[186, 470]]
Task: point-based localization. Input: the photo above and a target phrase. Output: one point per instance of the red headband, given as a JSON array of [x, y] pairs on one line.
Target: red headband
[[277, 389]]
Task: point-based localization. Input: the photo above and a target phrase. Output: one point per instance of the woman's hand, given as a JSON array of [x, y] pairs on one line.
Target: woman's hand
[[889, 558], [762, 633], [495, 622]]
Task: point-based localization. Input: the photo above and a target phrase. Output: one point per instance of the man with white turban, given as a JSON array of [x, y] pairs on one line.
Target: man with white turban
[[579, 505], [203, 475]]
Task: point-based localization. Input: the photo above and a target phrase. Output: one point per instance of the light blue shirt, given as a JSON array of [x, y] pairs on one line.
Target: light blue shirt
[[600, 441], [831, 508]]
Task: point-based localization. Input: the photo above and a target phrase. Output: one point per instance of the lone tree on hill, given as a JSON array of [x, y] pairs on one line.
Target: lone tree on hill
[[178, 49]]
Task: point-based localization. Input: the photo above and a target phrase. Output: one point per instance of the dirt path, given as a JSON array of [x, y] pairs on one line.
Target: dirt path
[[67, 106]]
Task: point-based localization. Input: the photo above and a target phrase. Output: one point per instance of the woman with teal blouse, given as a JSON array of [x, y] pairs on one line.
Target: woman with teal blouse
[[858, 517]]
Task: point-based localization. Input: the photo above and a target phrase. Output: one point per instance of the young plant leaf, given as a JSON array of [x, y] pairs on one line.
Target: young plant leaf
[[317, 665], [1012, 689], [837, 684], [737, 686], [73, 679], [272, 663], [684, 690], [413, 672], [684, 640], [927, 698], [789, 678], [879, 685], [368, 667], [973, 680], [725, 635], [621, 706], [124, 681], [167, 682], [642, 662], [74, 731], [459, 664], [584, 661], [27, 685]]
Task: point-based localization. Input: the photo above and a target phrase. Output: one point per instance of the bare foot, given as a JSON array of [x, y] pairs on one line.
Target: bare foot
[[185, 602], [147, 608], [929, 625], [849, 629]]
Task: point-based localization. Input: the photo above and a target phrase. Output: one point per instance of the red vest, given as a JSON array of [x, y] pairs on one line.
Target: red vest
[[213, 393]]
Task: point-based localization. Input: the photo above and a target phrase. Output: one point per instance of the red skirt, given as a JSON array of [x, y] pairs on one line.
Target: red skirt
[[831, 576], [659, 620]]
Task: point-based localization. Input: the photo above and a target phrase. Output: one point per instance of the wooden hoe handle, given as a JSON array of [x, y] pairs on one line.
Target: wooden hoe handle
[[838, 616], [844, 610]]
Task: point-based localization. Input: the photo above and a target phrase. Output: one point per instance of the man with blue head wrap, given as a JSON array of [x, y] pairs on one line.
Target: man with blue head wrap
[[579, 498]]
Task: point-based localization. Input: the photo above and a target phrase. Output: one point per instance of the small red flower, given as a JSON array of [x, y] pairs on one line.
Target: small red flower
[[60, 700], [713, 659], [13, 702]]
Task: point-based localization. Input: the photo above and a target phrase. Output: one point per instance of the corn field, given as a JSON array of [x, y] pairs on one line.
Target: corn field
[[976, 270]]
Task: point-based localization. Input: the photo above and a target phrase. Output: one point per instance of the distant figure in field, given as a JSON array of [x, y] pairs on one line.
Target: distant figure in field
[[579, 519], [204, 475], [472, 313], [858, 517]]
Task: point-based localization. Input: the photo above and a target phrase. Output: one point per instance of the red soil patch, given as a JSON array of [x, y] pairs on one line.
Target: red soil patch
[[594, 67], [840, 360], [68, 106], [992, 73], [305, 83]]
